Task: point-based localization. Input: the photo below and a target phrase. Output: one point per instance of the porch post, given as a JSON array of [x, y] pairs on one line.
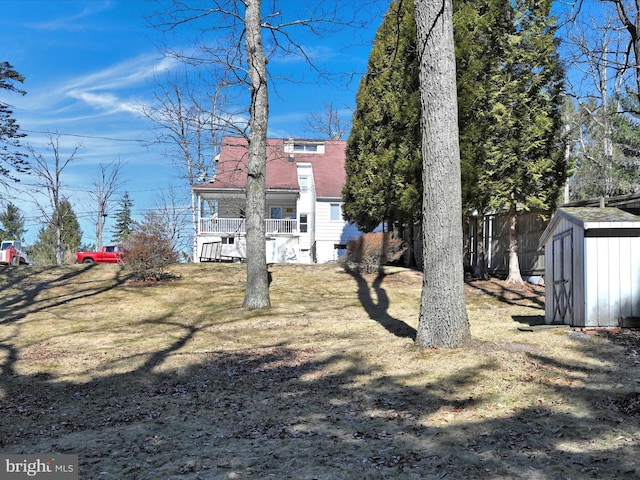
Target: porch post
[[196, 228]]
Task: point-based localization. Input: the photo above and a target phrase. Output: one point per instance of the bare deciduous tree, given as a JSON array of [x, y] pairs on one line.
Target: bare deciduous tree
[[105, 185], [328, 123], [237, 38], [48, 171], [189, 117], [171, 207], [603, 59], [257, 291], [629, 16]]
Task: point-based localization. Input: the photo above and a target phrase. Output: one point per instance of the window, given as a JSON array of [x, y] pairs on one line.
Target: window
[[304, 184], [304, 223], [228, 240], [335, 212], [276, 212], [305, 147]]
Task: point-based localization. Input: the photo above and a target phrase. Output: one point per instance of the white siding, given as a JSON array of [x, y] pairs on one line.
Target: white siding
[[548, 282], [634, 264], [282, 249], [236, 250], [306, 205], [626, 276], [330, 232], [579, 276], [613, 280], [597, 273]]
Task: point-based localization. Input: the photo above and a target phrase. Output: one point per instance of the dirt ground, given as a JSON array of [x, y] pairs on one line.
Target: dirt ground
[[177, 381]]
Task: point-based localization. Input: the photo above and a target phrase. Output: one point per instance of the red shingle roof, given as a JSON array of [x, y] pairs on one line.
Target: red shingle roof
[[328, 168]]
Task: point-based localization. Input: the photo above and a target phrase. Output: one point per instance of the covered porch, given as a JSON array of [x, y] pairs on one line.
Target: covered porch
[[223, 212], [222, 225]]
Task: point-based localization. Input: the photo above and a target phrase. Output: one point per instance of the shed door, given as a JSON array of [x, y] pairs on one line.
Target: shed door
[[563, 278]]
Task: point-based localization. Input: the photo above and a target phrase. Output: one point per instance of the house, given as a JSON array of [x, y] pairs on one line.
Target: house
[[303, 216], [592, 267]]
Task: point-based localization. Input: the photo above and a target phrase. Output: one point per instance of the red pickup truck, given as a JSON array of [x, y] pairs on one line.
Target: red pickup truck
[[108, 254]]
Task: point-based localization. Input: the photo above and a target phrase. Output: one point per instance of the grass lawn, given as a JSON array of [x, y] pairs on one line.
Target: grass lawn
[[178, 381]]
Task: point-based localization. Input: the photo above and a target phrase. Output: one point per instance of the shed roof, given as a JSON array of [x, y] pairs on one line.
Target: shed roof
[[593, 218]]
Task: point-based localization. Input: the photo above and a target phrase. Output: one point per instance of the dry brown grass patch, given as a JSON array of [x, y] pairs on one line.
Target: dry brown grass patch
[[180, 382]]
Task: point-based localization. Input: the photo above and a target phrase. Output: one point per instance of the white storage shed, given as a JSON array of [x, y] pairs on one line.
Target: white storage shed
[[592, 267]]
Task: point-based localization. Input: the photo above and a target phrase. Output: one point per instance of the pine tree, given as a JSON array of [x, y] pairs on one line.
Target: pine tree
[[11, 158], [12, 223], [43, 251], [481, 32], [124, 222], [383, 158], [523, 165]]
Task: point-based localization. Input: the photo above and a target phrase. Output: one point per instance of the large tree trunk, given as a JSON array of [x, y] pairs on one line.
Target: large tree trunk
[[514, 264], [443, 315], [257, 288]]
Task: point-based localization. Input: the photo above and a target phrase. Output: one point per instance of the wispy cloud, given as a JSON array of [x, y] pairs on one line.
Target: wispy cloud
[[71, 22], [123, 75], [118, 88], [106, 101]]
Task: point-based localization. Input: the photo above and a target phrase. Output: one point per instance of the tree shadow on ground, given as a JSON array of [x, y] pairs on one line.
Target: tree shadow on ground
[[377, 308], [20, 295], [509, 294], [283, 412]]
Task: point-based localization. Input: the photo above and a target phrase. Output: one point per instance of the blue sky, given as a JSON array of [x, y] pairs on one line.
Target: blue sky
[[89, 66]]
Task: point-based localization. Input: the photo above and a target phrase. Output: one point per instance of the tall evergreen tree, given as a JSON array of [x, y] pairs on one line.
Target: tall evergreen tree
[[44, 250], [480, 33], [12, 223], [524, 165], [481, 30], [124, 221], [383, 158], [12, 160]]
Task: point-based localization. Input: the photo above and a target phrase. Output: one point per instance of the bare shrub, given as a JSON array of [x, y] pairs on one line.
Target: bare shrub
[[372, 250], [148, 255]]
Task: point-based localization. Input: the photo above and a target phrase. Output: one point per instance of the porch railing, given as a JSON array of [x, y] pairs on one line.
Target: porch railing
[[239, 225]]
